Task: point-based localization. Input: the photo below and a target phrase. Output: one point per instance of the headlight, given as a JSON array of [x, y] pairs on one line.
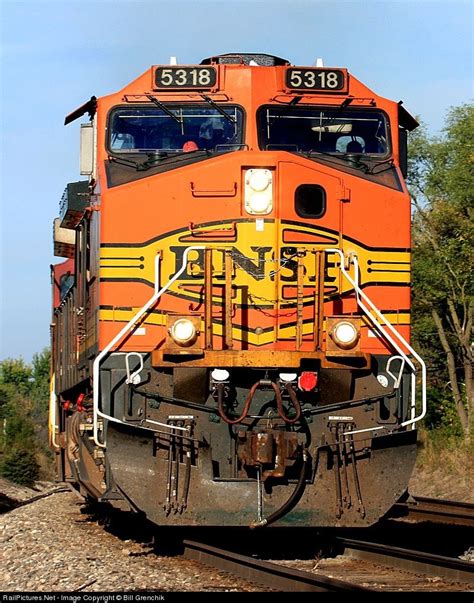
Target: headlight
[[258, 191], [345, 334], [183, 332], [259, 180]]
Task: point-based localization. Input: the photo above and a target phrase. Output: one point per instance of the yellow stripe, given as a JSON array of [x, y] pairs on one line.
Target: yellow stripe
[[285, 332]]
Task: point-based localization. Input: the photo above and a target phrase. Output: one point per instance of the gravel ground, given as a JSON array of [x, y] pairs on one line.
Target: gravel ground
[[50, 545], [60, 533], [439, 483]]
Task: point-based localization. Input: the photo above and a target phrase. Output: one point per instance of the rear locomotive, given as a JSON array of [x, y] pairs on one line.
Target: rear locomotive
[[230, 333]]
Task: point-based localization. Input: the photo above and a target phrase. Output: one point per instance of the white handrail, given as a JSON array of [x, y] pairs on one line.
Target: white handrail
[[53, 412], [390, 337], [396, 379], [128, 329], [132, 377]]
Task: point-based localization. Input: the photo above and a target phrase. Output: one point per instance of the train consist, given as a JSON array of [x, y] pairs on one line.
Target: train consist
[[230, 329]]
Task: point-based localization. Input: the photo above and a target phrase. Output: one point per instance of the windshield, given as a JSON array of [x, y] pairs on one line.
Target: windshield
[[175, 129], [322, 130]]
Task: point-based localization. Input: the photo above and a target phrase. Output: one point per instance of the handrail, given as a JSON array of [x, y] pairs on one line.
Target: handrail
[[363, 301], [380, 323], [133, 378], [396, 379], [128, 329], [53, 413]]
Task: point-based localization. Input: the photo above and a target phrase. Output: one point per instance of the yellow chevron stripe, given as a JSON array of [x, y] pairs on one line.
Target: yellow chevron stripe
[[137, 263]]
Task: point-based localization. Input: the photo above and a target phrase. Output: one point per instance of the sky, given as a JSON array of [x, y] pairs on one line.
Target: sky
[[55, 55]]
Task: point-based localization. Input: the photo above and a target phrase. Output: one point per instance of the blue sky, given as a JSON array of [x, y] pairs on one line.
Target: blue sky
[[55, 55]]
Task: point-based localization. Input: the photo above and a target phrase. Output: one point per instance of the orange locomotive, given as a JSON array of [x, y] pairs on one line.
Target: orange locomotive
[[234, 348]]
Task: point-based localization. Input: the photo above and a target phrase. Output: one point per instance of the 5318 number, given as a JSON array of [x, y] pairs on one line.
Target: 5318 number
[[185, 77], [315, 79]]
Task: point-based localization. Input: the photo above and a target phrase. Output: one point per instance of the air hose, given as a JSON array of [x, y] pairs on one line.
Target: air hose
[[297, 492], [248, 402]]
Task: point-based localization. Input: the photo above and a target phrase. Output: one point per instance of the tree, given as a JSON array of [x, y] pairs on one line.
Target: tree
[[39, 392], [24, 395], [41, 366], [441, 183], [17, 374], [20, 466]]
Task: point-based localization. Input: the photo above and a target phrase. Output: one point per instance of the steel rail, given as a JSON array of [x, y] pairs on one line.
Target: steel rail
[[409, 560], [435, 510], [265, 573]]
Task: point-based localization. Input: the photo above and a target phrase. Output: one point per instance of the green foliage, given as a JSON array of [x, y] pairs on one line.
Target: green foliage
[[19, 428], [7, 392], [24, 396], [17, 374], [41, 366], [40, 388], [20, 466], [455, 174], [441, 183], [441, 414]]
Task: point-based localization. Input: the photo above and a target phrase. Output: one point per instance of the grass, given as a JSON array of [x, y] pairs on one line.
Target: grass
[[444, 467]]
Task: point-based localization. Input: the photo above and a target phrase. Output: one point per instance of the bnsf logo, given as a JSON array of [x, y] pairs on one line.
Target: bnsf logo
[[267, 271], [258, 275], [264, 263], [259, 265]]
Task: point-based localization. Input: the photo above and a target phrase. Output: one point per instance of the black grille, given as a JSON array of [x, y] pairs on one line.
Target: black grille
[[244, 58]]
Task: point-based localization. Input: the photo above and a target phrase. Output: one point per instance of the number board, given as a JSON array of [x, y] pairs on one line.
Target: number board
[[317, 80], [177, 78]]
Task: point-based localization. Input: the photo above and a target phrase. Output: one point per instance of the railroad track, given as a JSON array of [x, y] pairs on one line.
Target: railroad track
[[265, 573], [409, 560], [363, 566], [435, 510]]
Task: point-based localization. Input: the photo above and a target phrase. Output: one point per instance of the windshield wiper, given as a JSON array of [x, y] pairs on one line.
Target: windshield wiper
[[165, 109], [390, 164], [354, 160], [154, 159], [218, 108], [122, 161]]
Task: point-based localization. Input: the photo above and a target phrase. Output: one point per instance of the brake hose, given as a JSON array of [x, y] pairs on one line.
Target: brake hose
[[248, 402], [297, 492]]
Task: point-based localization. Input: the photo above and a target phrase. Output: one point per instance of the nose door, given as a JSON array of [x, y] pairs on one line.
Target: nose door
[[309, 209]]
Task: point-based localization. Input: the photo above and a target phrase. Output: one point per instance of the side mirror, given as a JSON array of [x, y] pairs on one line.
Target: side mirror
[[87, 149], [403, 151]]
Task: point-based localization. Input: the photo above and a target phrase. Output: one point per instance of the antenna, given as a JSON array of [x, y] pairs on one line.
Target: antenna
[[319, 63], [173, 61]]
